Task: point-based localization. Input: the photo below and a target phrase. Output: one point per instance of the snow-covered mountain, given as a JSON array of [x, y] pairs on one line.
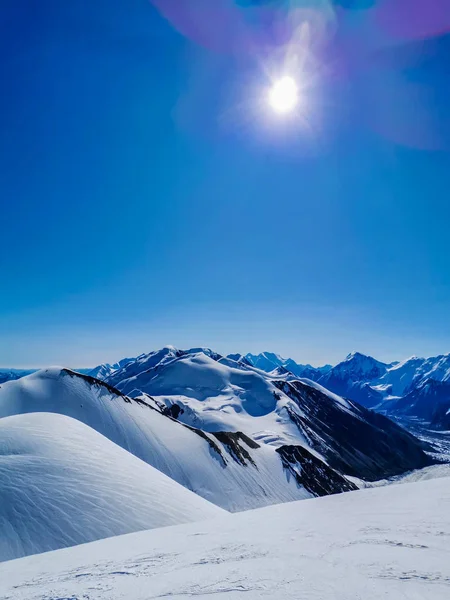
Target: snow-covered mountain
[[62, 483], [429, 400], [157, 358], [359, 377], [268, 361], [360, 367], [351, 378], [437, 368], [403, 377], [229, 469], [389, 542], [213, 394], [106, 369], [411, 387], [13, 374], [441, 416]]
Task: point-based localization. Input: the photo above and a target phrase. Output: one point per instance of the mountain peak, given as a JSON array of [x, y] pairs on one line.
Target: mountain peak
[[362, 362], [359, 356]]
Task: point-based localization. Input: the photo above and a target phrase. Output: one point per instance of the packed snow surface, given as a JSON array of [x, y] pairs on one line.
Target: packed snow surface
[[62, 483], [389, 543]]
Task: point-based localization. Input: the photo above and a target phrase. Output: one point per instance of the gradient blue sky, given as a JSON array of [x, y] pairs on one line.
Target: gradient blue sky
[[140, 207]]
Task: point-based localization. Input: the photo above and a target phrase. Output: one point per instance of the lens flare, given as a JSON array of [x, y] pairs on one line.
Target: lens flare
[[283, 96]]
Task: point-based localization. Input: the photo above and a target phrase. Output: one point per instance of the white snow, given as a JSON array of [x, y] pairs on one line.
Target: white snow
[[400, 376], [161, 442], [105, 370], [62, 483], [221, 395], [415, 371], [389, 543]]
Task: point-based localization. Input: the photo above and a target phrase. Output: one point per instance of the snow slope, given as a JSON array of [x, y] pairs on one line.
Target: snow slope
[[61, 484], [389, 543], [229, 470]]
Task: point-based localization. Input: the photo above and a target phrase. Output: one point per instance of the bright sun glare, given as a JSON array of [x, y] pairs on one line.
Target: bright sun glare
[[283, 96]]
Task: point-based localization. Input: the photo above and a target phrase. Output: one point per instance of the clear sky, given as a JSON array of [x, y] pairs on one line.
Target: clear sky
[[147, 200]]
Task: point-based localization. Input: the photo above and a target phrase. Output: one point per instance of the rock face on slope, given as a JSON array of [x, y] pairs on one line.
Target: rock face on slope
[[429, 401], [441, 417], [352, 377], [354, 440]]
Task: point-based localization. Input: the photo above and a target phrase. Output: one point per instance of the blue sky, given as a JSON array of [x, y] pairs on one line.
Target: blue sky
[[144, 203]]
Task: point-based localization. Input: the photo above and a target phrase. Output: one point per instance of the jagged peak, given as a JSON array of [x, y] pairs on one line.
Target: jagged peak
[[363, 361], [360, 356]]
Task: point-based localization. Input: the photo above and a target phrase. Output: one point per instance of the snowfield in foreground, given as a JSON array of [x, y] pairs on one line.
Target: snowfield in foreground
[[391, 543], [62, 483]]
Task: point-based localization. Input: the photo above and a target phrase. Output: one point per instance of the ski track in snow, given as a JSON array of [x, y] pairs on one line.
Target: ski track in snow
[[391, 542]]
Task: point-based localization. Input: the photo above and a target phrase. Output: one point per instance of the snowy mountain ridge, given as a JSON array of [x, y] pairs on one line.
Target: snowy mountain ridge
[[212, 393], [381, 385], [213, 424], [171, 423], [227, 468], [106, 369], [359, 377]]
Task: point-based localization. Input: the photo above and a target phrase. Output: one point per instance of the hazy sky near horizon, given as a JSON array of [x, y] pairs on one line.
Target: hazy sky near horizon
[[147, 198]]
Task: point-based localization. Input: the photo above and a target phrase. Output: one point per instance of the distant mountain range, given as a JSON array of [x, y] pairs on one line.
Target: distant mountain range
[[12, 374], [203, 389], [416, 387]]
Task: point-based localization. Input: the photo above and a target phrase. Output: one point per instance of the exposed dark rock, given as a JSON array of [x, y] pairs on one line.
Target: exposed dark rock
[[206, 437], [174, 411], [429, 401], [238, 451], [313, 474], [112, 390], [96, 382], [441, 417], [355, 441]]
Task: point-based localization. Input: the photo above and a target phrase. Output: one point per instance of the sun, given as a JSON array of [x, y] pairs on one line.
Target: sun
[[283, 96]]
